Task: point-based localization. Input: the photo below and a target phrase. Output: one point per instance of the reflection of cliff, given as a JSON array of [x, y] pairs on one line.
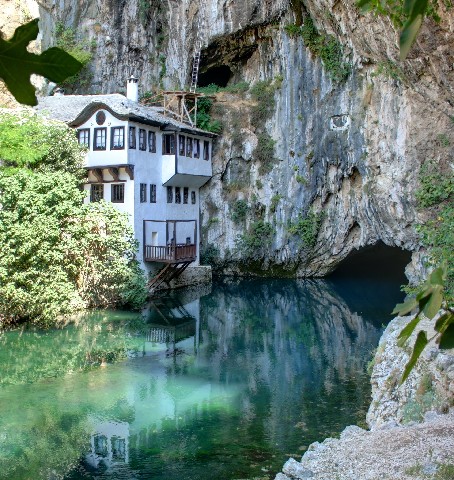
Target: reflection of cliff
[[293, 340]]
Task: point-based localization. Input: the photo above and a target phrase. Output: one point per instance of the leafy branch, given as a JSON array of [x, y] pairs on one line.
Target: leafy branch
[[429, 300], [17, 64], [409, 14]]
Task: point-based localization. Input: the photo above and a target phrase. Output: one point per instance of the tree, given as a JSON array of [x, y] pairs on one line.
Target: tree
[[58, 255]]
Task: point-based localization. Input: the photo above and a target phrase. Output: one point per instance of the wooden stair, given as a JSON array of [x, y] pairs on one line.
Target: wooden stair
[[167, 274]]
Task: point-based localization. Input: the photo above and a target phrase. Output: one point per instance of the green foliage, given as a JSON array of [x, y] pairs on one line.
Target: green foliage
[[26, 142], [263, 94], [324, 46], [275, 199], [435, 193], [58, 254], [256, 242], [17, 63], [264, 153], [80, 50], [239, 211], [209, 255], [307, 227], [407, 15], [389, 69], [212, 88], [428, 301], [204, 120]]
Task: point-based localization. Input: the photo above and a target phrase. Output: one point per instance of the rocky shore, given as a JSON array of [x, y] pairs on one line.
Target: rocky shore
[[411, 432]]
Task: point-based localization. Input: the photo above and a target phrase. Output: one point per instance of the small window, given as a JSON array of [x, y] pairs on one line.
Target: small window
[[182, 139], [152, 142], [143, 192], [189, 147], [196, 148], [118, 193], [168, 144], [142, 139], [152, 193], [169, 194], [193, 197], [96, 192], [132, 137], [185, 194], [100, 118], [177, 195], [99, 141], [83, 135], [206, 150], [117, 138]]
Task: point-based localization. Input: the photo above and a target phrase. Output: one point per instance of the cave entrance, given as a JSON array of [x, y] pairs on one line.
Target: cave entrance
[[372, 272], [219, 75]]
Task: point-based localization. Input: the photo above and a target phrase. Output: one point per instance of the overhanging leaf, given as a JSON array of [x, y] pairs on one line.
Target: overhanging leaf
[[416, 10], [407, 331], [420, 344], [433, 305], [444, 321], [406, 307], [437, 276], [447, 339], [17, 63]]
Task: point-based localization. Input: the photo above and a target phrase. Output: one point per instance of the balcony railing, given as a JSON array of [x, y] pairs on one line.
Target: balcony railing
[[170, 253]]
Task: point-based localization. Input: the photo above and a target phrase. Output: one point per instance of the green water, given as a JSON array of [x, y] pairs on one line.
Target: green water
[[224, 384]]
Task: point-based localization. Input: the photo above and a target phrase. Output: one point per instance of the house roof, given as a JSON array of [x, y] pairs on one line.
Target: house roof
[[76, 109]]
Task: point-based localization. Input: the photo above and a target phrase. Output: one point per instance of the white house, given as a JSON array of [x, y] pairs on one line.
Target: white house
[[149, 165]]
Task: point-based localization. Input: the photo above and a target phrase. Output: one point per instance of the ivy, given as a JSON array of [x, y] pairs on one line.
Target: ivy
[[324, 46], [307, 228]]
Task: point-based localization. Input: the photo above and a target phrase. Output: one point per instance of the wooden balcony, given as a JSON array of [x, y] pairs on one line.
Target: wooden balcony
[[179, 253]]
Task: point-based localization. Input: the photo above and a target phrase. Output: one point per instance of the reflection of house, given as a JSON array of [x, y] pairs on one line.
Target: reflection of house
[[149, 165], [109, 444], [171, 322]]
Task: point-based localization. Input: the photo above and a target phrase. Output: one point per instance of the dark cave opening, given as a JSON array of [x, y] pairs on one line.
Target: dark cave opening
[[371, 273], [219, 75]]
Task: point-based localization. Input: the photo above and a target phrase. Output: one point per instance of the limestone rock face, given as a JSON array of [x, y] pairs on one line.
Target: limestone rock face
[[430, 386], [347, 151]]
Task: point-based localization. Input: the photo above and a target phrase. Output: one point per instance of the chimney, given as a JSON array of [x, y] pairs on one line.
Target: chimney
[[132, 89], [59, 92]]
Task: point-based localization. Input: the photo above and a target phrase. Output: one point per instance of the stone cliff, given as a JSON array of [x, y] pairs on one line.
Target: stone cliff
[[318, 163]]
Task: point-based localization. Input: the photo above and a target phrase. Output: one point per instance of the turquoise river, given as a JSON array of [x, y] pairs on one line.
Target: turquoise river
[[222, 383]]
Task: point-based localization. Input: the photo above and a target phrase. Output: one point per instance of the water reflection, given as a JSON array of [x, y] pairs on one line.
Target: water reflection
[[222, 384]]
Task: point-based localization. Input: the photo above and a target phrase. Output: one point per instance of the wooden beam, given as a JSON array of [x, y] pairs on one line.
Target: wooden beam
[[97, 173], [114, 173], [129, 169]]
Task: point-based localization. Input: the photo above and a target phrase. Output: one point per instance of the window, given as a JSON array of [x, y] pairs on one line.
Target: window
[[117, 193], [193, 197], [96, 192], [206, 150], [152, 193], [182, 139], [168, 144], [142, 139], [185, 194], [177, 195], [117, 138], [152, 142], [83, 135], [143, 192], [99, 142], [100, 118], [189, 147], [132, 137], [196, 148], [169, 194]]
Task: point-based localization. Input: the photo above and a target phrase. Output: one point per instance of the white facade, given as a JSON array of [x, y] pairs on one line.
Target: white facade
[[134, 165]]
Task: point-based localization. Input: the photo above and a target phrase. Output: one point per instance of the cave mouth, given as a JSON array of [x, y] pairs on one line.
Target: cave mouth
[[219, 75], [379, 262], [371, 273]]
